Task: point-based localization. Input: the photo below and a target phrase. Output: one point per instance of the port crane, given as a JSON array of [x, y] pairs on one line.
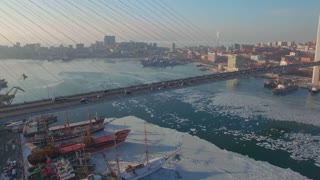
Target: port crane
[[6, 99]]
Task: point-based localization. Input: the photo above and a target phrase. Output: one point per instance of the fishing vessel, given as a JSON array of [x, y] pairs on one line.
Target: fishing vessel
[[87, 144], [63, 132]]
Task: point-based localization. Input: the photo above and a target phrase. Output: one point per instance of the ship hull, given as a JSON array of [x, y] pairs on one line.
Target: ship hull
[[99, 144], [108, 143], [60, 133], [284, 91], [42, 121], [144, 171], [42, 139], [42, 157], [270, 84]]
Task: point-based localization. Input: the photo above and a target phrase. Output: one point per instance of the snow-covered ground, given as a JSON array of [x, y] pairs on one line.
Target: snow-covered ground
[[197, 159]]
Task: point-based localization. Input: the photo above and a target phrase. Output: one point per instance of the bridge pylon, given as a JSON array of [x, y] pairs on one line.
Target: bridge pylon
[[315, 76]]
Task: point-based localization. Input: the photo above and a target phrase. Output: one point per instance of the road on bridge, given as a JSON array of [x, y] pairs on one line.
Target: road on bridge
[[23, 110]]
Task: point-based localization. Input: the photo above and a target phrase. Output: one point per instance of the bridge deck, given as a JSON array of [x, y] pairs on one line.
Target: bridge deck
[[17, 111]]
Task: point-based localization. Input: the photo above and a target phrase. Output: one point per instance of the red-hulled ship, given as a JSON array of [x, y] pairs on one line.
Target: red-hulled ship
[[89, 144]]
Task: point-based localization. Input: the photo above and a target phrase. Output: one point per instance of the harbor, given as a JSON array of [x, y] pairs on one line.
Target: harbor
[[170, 154]]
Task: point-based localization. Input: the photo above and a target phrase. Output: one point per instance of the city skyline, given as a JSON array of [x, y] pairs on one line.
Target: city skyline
[[184, 22]]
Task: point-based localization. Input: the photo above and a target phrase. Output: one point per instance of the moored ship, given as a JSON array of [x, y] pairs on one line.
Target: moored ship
[[15, 126], [89, 144], [282, 89], [63, 132], [3, 83], [270, 84], [138, 171], [37, 124], [135, 172], [314, 90]]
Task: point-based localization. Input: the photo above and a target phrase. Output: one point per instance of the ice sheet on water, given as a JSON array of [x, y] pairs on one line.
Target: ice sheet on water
[[244, 105], [197, 159], [300, 146]]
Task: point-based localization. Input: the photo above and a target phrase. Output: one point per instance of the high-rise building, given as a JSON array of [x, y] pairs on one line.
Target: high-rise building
[[315, 76], [212, 56], [236, 46], [282, 43], [109, 40], [173, 47], [235, 62], [290, 43]]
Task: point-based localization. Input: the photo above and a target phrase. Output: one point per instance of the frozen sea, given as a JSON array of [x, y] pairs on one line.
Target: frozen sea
[[237, 115], [197, 158]]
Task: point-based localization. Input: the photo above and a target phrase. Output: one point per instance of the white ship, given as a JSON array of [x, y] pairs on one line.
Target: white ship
[[138, 171], [15, 126], [141, 170]]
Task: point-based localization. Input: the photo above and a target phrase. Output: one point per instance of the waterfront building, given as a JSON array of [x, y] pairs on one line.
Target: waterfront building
[[212, 56], [235, 62], [204, 57]]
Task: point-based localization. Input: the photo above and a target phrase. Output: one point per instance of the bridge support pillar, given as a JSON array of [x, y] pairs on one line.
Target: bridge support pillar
[[315, 76]]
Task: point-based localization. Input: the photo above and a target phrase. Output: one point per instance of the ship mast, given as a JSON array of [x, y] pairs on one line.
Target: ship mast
[[146, 143], [67, 119], [89, 116], [117, 159]]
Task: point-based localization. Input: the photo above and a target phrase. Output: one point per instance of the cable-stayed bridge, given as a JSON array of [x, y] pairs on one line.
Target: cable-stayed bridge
[[78, 100], [65, 22]]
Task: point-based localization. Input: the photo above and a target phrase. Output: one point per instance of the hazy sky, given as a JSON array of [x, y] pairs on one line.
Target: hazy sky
[[164, 21]]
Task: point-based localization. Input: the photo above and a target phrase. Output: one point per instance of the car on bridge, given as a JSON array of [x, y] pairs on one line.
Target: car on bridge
[[59, 99], [127, 92], [99, 96], [84, 100]]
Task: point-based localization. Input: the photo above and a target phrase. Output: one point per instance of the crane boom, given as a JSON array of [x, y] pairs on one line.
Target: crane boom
[[6, 99]]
